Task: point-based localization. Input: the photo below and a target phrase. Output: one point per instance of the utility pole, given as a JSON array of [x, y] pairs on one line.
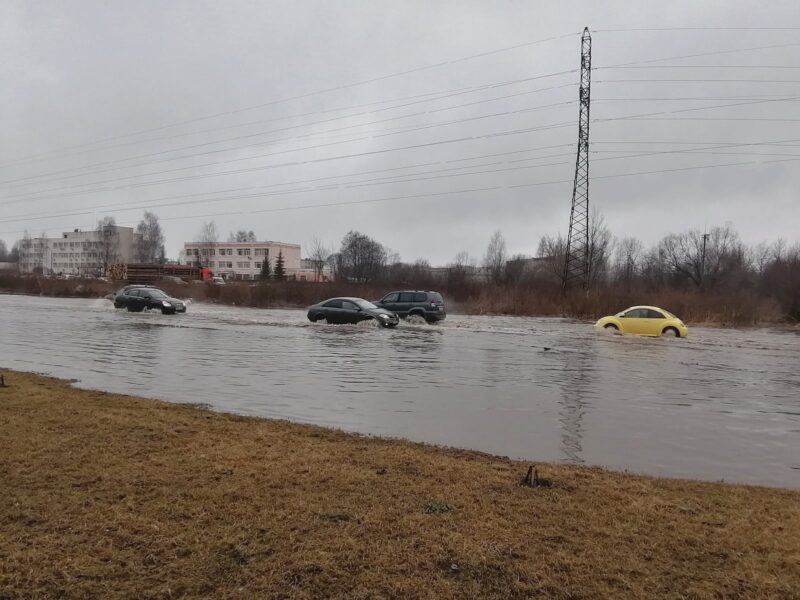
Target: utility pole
[[703, 260], [576, 263]]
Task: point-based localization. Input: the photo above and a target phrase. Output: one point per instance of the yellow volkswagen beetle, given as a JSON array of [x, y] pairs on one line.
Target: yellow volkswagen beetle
[[645, 320]]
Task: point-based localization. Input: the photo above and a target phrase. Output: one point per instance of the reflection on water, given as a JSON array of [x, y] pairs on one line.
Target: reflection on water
[[722, 404]]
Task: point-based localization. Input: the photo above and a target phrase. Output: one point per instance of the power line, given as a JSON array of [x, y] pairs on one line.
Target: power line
[[35, 196], [700, 67], [637, 29], [325, 90], [370, 182], [22, 180], [712, 53], [457, 192], [675, 80]]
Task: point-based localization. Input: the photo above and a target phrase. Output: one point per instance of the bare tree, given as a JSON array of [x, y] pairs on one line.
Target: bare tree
[[150, 238], [3, 251], [208, 233], [108, 239], [629, 255], [601, 244], [242, 236], [552, 251], [318, 255], [494, 261], [704, 259], [461, 268]]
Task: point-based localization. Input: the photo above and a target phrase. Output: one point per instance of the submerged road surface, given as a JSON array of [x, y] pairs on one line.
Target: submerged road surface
[[722, 404]]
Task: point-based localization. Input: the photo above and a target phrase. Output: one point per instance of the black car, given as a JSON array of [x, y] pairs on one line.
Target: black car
[[138, 298], [119, 293], [405, 303], [350, 310]]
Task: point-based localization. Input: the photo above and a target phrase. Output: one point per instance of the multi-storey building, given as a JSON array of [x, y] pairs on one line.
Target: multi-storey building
[[243, 260], [78, 253]]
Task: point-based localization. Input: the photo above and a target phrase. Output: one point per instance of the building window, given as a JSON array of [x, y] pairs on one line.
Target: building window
[[247, 251], [258, 265], [211, 263]]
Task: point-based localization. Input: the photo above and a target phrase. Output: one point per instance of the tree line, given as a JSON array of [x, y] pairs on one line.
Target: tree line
[[715, 261]]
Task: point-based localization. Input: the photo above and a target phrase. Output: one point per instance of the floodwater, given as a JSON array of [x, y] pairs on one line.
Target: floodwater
[[720, 405]]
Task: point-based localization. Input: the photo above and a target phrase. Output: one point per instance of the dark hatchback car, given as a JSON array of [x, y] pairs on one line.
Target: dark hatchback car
[[428, 305], [138, 298], [350, 310]]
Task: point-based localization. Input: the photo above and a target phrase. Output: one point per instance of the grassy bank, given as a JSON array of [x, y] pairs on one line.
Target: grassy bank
[[108, 496], [743, 308]]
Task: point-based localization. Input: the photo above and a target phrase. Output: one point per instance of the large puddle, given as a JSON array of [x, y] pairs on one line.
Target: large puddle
[[720, 405]]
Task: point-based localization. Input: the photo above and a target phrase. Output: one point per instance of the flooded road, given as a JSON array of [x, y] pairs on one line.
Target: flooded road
[[722, 404]]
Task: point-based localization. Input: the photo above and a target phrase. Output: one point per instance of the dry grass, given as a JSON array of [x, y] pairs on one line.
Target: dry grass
[[740, 308], [108, 496]]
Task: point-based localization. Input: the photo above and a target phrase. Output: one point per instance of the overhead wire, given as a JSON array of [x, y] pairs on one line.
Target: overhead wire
[[332, 89]]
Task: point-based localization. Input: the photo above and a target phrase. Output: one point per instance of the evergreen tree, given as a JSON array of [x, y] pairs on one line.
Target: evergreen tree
[[265, 271], [280, 270]]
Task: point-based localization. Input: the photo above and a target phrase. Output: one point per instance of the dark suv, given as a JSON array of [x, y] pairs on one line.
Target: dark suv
[[429, 305], [136, 299]]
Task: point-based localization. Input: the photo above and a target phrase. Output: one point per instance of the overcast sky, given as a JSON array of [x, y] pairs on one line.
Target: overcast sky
[[439, 122]]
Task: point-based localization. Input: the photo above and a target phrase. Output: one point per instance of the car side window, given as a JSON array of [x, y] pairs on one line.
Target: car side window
[[333, 304], [406, 297], [636, 313], [654, 314], [348, 305], [420, 297], [391, 297], [132, 293]]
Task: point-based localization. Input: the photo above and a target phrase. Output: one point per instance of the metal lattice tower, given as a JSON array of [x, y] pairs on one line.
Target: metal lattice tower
[[576, 264]]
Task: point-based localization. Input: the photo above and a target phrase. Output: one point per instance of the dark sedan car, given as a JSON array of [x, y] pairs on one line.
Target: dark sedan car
[[137, 298], [351, 310]]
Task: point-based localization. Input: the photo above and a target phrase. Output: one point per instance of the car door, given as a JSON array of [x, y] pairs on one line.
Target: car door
[[332, 311], [147, 299], [635, 321], [404, 303], [351, 313], [655, 322], [389, 301], [132, 299]]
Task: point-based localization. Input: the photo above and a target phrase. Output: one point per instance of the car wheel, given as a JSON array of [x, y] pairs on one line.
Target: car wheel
[[611, 327], [318, 318], [416, 317], [134, 309], [670, 332]]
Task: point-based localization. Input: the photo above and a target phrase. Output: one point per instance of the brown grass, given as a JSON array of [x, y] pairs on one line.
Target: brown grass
[[742, 308], [107, 496]]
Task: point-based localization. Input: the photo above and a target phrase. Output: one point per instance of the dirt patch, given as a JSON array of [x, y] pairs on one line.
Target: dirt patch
[[108, 496]]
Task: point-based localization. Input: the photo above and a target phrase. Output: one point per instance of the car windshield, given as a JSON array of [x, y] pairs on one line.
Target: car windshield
[[669, 314], [364, 304]]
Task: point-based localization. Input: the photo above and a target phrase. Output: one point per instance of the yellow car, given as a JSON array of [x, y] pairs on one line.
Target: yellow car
[[645, 320]]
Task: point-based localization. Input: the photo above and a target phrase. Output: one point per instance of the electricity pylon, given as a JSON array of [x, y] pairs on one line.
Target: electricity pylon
[[576, 263]]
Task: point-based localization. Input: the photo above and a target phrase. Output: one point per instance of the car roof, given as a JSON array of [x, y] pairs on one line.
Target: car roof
[[650, 307], [351, 298]]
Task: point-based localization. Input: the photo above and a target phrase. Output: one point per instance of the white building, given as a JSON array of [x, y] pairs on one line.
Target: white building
[[78, 253], [243, 260]]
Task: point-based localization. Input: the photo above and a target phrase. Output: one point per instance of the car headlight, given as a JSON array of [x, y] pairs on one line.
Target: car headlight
[[166, 304]]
